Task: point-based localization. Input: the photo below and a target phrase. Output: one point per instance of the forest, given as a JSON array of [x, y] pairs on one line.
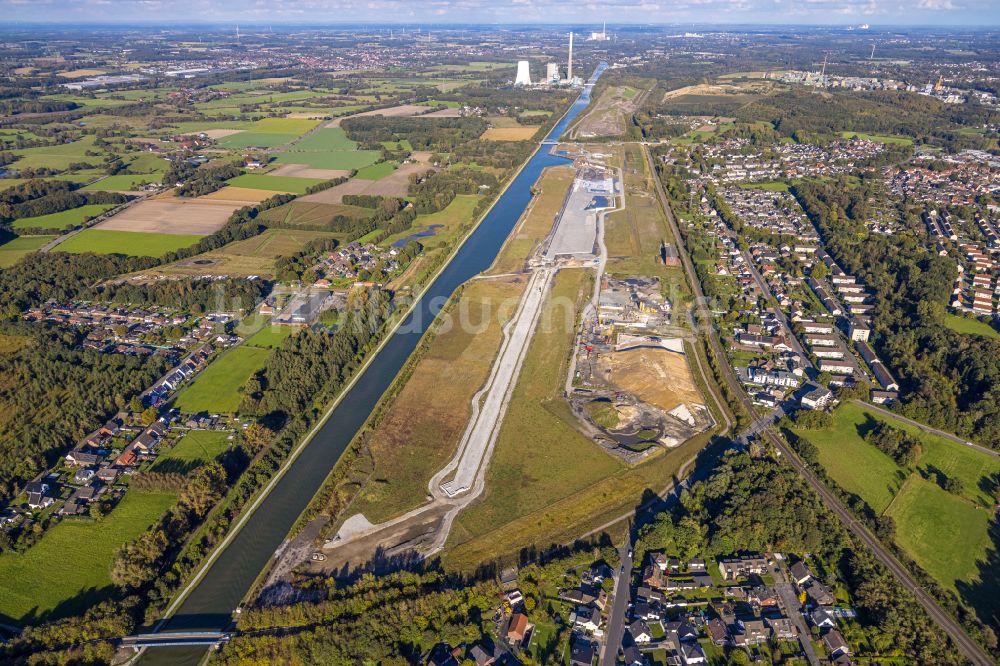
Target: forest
[[803, 114], [437, 134], [54, 394]]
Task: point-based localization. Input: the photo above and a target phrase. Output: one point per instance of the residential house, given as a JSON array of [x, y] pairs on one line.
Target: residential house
[[633, 656], [38, 495], [718, 631], [692, 654], [818, 593], [83, 476], [586, 619], [652, 576], [816, 397], [823, 618], [517, 628], [683, 631], [582, 652], [640, 632], [800, 573], [835, 644], [486, 653], [443, 654], [752, 632], [782, 628], [740, 567], [79, 458]]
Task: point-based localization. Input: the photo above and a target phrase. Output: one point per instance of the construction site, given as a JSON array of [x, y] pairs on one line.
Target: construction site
[[631, 384]]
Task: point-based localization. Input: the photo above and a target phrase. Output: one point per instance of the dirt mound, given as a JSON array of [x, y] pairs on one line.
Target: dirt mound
[[657, 377]]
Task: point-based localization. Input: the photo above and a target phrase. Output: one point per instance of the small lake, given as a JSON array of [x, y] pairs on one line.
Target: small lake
[[423, 233]]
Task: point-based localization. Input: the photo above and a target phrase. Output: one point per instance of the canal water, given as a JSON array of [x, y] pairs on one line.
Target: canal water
[[210, 605]]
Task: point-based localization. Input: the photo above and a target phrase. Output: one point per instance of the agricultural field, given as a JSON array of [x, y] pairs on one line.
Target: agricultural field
[[256, 140], [241, 196], [58, 157], [510, 133], [947, 534], [881, 138], [275, 183], [633, 235], [253, 256], [376, 171], [64, 585], [216, 389], [12, 251], [173, 215], [325, 139], [268, 133], [66, 219], [309, 213], [446, 222], [136, 244], [270, 337], [328, 148]]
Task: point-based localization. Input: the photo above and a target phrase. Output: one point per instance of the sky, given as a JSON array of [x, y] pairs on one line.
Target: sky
[[330, 12]]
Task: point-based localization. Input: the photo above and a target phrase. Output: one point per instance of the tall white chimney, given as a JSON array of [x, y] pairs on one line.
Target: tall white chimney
[[569, 66]]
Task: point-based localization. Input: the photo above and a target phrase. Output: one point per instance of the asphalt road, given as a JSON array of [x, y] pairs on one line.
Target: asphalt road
[[619, 606], [969, 648], [790, 601]]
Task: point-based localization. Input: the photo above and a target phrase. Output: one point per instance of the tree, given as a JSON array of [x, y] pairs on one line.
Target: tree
[[206, 487], [149, 415], [953, 485]]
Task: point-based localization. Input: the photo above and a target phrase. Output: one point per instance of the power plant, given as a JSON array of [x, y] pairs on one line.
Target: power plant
[[601, 36], [552, 77], [523, 77]]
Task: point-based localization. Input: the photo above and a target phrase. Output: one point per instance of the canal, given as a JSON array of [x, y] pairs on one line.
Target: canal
[[210, 604]]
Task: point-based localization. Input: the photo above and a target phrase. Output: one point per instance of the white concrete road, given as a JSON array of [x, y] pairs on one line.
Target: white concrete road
[[486, 419]]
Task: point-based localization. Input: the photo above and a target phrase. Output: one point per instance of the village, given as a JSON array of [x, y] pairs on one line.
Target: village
[[733, 160], [121, 329], [797, 323], [682, 612]]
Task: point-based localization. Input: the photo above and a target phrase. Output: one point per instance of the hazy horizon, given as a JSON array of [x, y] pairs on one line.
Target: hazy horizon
[[888, 13]]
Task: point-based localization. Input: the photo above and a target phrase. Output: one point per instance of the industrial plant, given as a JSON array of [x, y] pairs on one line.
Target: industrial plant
[[552, 74]]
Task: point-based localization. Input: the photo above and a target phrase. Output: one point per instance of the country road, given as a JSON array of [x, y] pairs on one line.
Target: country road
[[970, 649]]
